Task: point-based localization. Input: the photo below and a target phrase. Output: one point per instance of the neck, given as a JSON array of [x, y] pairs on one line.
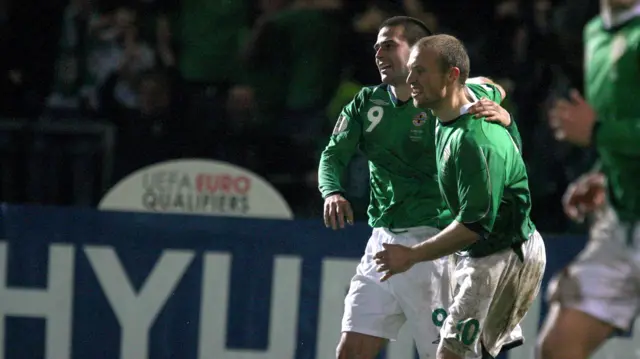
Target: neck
[[449, 108], [401, 92]]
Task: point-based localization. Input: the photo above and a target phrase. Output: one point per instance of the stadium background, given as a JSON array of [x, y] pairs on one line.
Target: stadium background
[[93, 90]]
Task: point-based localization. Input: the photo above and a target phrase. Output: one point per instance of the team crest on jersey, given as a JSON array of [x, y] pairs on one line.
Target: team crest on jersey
[[420, 119], [341, 125]]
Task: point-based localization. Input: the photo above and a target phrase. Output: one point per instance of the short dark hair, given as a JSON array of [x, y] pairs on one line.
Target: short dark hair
[[451, 53], [413, 29]]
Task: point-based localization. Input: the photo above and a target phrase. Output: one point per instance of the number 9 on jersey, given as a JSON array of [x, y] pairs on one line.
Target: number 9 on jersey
[[374, 116]]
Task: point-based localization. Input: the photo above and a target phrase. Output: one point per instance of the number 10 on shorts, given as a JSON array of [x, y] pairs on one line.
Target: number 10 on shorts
[[467, 329]]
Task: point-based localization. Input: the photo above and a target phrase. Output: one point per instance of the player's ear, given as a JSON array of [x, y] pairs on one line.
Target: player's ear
[[454, 74]]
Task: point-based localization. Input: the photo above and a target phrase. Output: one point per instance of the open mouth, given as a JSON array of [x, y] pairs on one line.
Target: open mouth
[[384, 67]]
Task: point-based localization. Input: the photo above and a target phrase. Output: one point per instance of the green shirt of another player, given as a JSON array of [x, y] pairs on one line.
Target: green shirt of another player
[[398, 140], [612, 87], [483, 180]]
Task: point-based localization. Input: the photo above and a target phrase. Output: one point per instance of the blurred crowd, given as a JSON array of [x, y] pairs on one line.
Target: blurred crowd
[[260, 83]]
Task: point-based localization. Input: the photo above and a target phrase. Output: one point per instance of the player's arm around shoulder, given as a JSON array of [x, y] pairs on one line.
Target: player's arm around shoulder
[[491, 110], [488, 96], [485, 87]]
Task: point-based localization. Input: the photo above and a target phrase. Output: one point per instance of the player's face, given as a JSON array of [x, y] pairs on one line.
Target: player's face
[[392, 52], [428, 81]]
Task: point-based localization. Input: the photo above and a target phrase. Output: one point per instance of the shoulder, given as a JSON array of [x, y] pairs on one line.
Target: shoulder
[[466, 147], [488, 90], [371, 96], [470, 137], [377, 91], [460, 133], [381, 88], [475, 150], [593, 26], [474, 135], [495, 140], [360, 102], [361, 97], [367, 92]]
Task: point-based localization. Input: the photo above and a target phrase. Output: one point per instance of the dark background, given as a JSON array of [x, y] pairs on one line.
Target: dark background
[[92, 90]]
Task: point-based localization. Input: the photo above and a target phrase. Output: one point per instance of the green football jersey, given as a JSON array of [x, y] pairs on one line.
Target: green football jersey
[[483, 180], [398, 140], [612, 87]]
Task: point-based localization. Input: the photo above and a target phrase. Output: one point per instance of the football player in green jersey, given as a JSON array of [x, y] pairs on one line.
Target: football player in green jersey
[[405, 206], [599, 293], [483, 180]]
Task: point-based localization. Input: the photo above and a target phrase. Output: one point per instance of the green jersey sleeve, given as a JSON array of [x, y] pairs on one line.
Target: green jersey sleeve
[[515, 133], [618, 136], [481, 178], [343, 144]]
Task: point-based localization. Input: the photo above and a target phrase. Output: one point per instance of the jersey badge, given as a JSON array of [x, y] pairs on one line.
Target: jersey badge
[[379, 102], [341, 125], [420, 119]]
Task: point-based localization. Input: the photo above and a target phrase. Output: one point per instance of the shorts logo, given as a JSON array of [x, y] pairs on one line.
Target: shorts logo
[[341, 125], [420, 119]]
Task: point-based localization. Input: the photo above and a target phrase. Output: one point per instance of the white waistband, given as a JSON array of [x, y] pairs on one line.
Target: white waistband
[[408, 229]]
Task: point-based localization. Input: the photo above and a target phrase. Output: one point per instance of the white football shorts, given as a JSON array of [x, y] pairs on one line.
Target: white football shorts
[[415, 296], [491, 297], [604, 279]]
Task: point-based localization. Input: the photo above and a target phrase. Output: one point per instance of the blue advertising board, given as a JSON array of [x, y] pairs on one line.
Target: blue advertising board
[[81, 283]]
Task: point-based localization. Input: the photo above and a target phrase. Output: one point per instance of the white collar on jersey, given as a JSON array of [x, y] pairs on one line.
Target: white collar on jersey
[[610, 20], [465, 108]]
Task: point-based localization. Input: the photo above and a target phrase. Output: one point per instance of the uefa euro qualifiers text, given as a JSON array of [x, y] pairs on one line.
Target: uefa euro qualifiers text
[[204, 192]]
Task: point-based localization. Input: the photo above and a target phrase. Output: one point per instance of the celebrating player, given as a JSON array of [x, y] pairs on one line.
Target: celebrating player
[[406, 206], [599, 293], [483, 180]]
